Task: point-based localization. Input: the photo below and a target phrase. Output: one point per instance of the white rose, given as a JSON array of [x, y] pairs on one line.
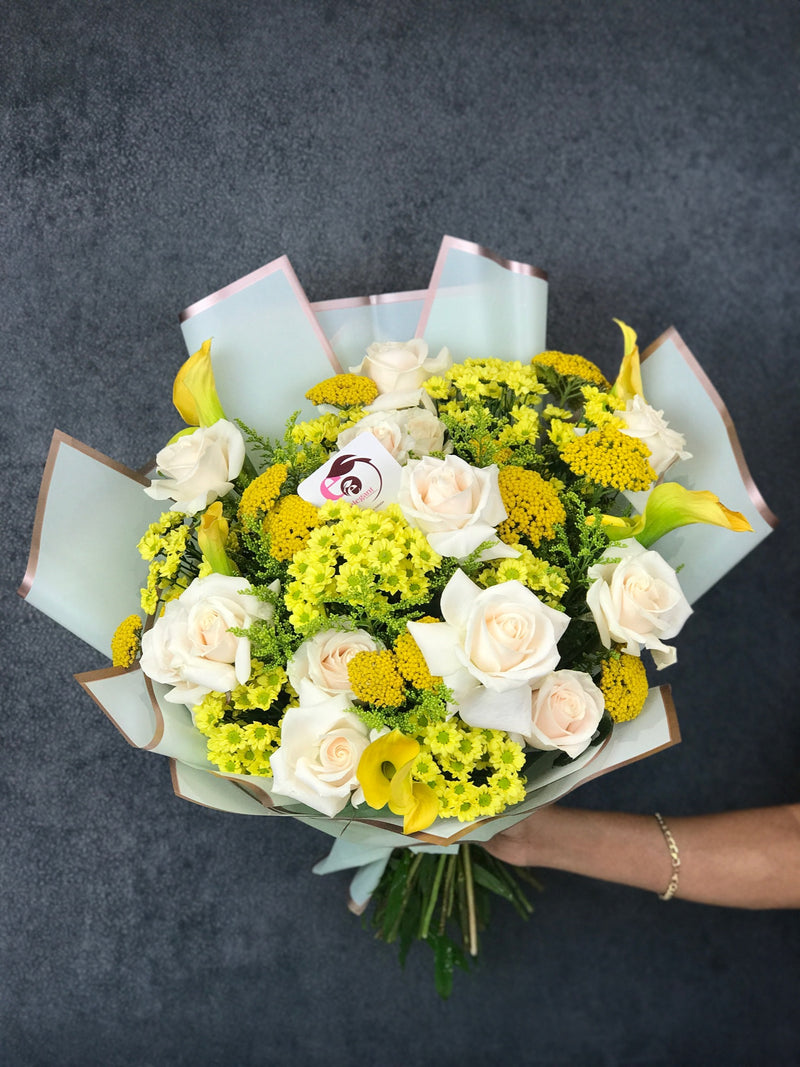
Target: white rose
[[494, 646], [637, 602], [400, 367], [321, 746], [566, 710], [400, 432], [319, 666], [649, 426], [191, 647], [455, 505], [199, 467]]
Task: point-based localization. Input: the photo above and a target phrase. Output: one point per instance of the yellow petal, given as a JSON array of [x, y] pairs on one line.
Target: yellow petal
[[629, 379], [212, 537], [386, 754], [194, 393], [424, 811], [670, 505]]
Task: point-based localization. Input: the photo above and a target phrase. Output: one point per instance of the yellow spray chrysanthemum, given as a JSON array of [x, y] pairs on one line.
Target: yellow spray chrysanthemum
[[411, 663], [344, 391], [623, 682], [126, 641], [262, 492], [535, 573], [375, 679], [289, 525], [610, 458], [533, 505], [572, 366]]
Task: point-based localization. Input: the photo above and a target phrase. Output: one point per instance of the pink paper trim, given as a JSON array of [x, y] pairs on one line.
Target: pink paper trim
[[362, 301], [281, 264], [671, 334], [58, 439], [458, 244]]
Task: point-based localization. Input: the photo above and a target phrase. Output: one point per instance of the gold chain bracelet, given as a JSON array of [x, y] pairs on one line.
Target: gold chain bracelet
[[674, 856]]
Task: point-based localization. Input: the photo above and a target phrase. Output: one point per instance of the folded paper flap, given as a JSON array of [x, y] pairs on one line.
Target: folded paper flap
[[353, 324], [209, 791], [480, 305], [672, 336], [83, 573]]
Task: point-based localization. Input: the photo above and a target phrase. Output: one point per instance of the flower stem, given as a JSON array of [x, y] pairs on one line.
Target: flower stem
[[470, 888], [431, 904]]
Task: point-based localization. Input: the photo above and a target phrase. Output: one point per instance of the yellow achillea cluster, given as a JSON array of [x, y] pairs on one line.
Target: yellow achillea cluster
[[572, 366], [344, 391], [474, 773], [610, 458], [163, 544], [263, 491], [126, 641], [375, 679], [533, 505], [411, 663], [235, 745], [364, 558], [624, 684], [538, 575], [289, 525]]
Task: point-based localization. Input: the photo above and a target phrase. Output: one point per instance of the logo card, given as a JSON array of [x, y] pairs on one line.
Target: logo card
[[364, 473]]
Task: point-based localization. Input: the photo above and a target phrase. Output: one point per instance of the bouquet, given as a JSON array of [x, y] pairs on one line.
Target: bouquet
[[415, 612]]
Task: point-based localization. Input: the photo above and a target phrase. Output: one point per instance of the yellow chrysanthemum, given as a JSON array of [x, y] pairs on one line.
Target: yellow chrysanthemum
[[344, 391], [573, 366], [623, 682], [411, 663], [126, 641], [262, 492], [610, 458], [289, 525], [534, 507], [375, 679]]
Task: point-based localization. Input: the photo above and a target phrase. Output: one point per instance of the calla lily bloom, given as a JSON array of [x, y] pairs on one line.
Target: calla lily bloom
[[194, 392], [212, 537], [629, 380], [669, 506], [384, 772]]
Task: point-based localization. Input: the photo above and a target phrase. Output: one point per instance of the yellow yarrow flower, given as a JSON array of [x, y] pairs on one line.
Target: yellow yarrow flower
[[375, 679], [623, 682], [411, 663], [263, 491], [534, 507], [126, 641], [344, 391], [572, 366], [610, 458], [289, 526]]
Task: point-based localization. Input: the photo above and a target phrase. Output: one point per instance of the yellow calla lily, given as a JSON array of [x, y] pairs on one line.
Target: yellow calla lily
[[629, 380], [669, 506], [384, 772], [212, 536], [194, 392]]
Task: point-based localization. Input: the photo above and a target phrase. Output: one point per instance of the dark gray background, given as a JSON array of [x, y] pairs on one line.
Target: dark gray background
[[644, 154]]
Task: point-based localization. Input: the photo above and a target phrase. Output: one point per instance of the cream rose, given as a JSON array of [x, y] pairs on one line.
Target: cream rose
[[199, 467], [400, 432], [493, 647], [565, 712], [319, 666], [649, 426], [637, 602], [400, 367], [191, 647], [318, 758], [455, 505]]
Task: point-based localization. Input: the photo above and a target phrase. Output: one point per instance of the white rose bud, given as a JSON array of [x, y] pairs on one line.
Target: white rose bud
[[566, 710], [319, 666], [400, 367], [637, 602], [400, 432], [199, 467], [649, 426], [321, 746], [191, 647]]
